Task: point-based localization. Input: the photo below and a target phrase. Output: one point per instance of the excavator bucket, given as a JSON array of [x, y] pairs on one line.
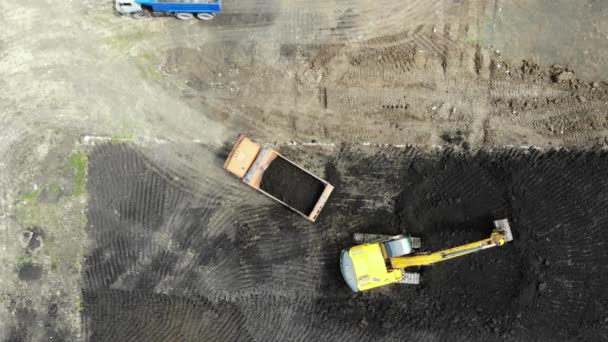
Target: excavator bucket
[[504, 227]]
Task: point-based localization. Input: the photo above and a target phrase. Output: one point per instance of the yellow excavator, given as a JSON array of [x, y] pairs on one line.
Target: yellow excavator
[[382, 260]]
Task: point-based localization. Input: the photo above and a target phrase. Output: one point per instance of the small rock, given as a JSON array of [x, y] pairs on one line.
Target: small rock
[[443, 112], [25, 237], [563, 76], [387, 325], [595, 85], [542, 286], [342, 235], [52, 310]]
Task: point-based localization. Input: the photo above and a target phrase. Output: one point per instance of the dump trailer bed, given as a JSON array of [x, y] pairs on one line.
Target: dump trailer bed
[[279, 178]]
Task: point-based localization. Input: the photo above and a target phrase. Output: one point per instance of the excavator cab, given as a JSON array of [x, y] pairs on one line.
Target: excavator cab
[[128, 7], [384, 260], [364, 266]]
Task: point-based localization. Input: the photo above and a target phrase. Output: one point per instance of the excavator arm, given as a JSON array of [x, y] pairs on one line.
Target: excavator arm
[[496, 239]]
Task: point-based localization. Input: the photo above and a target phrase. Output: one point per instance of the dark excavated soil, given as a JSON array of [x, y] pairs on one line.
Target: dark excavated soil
[[172, 265], [291, 185]]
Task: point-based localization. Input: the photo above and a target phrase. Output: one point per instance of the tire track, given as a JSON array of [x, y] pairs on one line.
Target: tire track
[[265, 274], [457, 88], [186, 319], [574, 235], [198, 226]]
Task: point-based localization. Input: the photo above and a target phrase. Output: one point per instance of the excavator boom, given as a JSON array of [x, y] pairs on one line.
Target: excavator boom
[[496, 239]]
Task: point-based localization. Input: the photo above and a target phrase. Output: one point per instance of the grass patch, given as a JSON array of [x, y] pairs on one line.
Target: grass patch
[[78, 162], [56, 188], [118, 138], [147, 65], [122, 42], [53, 260], [25, 259], [31, 196]]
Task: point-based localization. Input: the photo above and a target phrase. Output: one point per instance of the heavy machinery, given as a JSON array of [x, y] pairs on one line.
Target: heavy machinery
[[250, 162], [385, 260], [181, 9]]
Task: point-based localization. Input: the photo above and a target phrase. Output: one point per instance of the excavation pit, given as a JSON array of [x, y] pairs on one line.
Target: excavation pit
[[233, 265]]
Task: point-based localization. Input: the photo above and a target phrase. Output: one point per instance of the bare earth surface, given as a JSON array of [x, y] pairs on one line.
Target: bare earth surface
[[117, 222]]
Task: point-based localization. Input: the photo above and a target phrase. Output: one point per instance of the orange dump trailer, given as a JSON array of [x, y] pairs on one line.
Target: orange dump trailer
[[277, 177]]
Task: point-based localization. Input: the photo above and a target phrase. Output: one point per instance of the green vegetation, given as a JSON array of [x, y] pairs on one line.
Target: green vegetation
[[56, 188], [32, 196], [25, 259], [61, 221], [53, 260], [79, 304], [122, 137], [78, 161], [147, 65], [122, 42], [77, 265]]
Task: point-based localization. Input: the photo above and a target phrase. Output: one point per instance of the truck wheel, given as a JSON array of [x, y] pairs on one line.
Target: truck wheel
[[184, 16], [205, 16], [139, 15]]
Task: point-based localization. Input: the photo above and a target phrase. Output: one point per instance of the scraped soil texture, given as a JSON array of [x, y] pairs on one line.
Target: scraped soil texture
[[170, 264], [291, 185]]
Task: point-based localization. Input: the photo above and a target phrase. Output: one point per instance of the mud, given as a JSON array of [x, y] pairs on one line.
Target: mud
[[292, 185], [170, 264]]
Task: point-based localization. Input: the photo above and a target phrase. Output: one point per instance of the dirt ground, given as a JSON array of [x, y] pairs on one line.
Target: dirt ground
[[117, 221], [243, 271]]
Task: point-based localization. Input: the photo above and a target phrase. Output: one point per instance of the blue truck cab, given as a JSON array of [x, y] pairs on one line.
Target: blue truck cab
[[181, 9]]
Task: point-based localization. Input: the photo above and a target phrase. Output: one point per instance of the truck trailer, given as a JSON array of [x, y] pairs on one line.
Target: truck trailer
[[181, 9], [277, 177]]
